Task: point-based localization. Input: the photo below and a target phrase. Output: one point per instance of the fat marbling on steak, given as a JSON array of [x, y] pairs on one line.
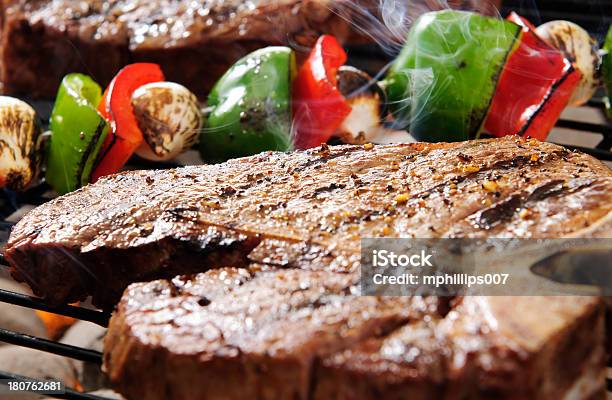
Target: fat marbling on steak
[[194, 41], [306, 209], [261, 333]]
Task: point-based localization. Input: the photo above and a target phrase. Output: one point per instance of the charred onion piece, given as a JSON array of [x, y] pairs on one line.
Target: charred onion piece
[[169, 117], [19, 143], [368, 102], [581, 49]]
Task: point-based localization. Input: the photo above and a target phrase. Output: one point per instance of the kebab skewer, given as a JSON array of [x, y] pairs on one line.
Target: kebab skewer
[[505, 77]]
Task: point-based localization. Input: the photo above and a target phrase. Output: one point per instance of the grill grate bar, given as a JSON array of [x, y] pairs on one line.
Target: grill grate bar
[[596, 152], [6, 225], [69, 395], [97, 317], [584, 126], [49, 346], [597, 102]]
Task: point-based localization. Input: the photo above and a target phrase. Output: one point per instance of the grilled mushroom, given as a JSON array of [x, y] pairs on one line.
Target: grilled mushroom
[[20, 141], [169, 117], [368, 102], [581, 49]]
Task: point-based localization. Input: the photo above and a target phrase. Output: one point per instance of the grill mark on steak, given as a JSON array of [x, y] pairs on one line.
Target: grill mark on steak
[[287, 254], [499, 212], [329, 188], [325, 155], [552, 188], [513, 163], [181, 214], [503, 165], [525, 170], [507, 209]]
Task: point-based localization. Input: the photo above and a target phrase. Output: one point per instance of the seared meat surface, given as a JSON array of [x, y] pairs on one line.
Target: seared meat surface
[[194, 41], [251, 334], [261, 333], [484, 348], [275, 311], [306, 210]]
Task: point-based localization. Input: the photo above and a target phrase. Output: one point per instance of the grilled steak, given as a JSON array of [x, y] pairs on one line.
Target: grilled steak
[[486, 348], [251, 334], [297, 334], [194, 41], [303, 209]]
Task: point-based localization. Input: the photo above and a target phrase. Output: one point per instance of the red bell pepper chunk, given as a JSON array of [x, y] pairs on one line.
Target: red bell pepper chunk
[[116, 107], [533, 90], [318, 106]]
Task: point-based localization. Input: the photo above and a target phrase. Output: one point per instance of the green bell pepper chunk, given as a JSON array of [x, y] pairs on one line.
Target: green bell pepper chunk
[[607, 69], [77, 133], [442, 83], [250, 107]]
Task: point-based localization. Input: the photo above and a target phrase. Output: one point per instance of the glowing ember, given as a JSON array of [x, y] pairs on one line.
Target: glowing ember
[[56, 325]]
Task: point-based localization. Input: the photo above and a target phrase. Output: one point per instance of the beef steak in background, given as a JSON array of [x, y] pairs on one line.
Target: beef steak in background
[[194, 41]]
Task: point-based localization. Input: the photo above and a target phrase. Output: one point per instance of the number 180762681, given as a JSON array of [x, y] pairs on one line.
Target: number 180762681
[[32, 386]]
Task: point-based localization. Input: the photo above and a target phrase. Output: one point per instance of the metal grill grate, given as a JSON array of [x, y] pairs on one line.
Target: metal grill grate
[[70, 394], [74, 352]]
